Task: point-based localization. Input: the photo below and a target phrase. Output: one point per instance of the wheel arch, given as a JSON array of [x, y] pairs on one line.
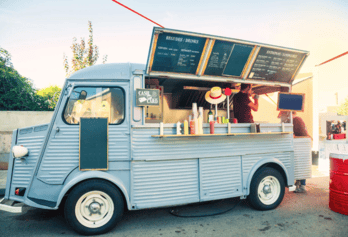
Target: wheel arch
[[269, 162], [90, 175]]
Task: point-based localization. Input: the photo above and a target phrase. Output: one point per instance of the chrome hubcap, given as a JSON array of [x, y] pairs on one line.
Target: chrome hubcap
[[95, 207], [267, 189]]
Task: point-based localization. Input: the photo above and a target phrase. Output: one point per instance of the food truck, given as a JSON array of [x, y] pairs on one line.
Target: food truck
[[114, 142]]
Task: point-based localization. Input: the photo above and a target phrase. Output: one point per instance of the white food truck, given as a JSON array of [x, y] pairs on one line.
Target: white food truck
[[106, 150]]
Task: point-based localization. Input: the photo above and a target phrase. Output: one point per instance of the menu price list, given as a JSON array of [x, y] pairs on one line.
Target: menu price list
[[177, 53], [218, 58], [275, 65]]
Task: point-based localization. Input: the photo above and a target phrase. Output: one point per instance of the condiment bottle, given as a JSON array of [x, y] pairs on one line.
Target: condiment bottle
[[192, 127], [219, 119], [178, 128], [186, 129], [211, 123]]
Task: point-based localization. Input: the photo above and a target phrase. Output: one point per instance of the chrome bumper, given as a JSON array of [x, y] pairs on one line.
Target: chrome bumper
[[10, 208]]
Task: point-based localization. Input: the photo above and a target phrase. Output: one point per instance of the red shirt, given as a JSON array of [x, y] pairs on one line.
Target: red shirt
[[299, 127], [241, 109]]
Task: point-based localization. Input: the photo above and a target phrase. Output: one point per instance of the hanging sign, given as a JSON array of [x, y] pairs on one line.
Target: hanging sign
[[147, 97]]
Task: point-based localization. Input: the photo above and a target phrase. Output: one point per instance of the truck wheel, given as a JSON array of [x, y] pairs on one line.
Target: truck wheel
[[267, 189], [94, 207]]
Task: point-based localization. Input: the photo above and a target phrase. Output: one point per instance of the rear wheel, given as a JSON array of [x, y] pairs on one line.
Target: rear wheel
[[94, 207], [267, 189]]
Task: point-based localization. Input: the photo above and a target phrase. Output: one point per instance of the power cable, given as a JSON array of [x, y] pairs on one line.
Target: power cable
[[136, 12]]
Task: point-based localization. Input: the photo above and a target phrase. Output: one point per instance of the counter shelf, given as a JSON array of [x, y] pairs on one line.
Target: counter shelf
[[224, 134]]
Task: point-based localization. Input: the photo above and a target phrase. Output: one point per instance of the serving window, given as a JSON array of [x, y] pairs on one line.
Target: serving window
[[179, 94], [95, 102]]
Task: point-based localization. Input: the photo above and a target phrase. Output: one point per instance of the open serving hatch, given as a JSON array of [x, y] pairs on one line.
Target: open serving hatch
[[197, 57]]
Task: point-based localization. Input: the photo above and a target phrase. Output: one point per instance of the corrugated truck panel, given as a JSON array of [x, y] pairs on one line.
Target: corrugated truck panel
[[220, 177], [62, 153], [302, 158], [145, 147], [164, 183]]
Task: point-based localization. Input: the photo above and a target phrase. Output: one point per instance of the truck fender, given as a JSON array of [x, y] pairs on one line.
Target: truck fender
[[261, 163], [82, 176]]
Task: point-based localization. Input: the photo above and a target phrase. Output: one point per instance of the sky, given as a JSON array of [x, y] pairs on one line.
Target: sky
[[37, 33]]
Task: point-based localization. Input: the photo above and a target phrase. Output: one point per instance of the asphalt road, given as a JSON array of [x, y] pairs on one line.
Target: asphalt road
[[298, 215]]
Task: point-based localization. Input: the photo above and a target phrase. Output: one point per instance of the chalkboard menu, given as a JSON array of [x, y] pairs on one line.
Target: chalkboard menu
[[94, 144], [147, 97], [177, 53], [275, 65], [218, 58], [291, 102], [174, 51], [238, 60]]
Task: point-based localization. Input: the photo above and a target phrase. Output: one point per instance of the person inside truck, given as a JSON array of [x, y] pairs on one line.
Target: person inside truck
[[242, 104]]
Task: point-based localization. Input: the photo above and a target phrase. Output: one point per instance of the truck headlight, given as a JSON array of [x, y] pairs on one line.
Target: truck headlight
[[20, 151]]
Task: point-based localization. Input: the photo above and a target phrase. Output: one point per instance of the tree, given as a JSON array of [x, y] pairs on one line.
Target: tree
[[17, 92], [51, 95], [82, 57], [343, 109]]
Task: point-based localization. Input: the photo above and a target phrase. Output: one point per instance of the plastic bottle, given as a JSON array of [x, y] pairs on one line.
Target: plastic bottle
[[186, 129], [192, 127], [211, 123]]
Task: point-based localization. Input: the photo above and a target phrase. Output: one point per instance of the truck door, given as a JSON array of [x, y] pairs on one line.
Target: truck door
[[62, 152]]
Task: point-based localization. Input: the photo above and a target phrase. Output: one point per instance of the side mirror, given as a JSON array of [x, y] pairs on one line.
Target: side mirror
[[83, 95]]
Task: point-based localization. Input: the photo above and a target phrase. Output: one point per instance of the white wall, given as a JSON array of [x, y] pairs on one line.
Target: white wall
[[10, 120]]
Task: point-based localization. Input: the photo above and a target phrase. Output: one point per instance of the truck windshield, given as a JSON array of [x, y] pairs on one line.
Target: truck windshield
[[100, 102]]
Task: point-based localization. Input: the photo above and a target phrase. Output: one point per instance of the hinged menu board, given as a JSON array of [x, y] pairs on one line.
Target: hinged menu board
[[227, 58], [147, 97], [276, 65], [177, 53], [93, 144], [191, 55]]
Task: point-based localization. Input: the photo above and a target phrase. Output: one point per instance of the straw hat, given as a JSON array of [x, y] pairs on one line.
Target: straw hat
[[215, 96]]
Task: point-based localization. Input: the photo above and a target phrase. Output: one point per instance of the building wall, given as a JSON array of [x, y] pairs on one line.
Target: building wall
[[332, 82], [11, 120]]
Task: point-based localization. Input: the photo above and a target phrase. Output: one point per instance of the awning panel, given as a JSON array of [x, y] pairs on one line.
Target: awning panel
[[195, 56]]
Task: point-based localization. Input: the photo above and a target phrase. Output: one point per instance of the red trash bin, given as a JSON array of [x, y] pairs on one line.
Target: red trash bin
[[338, 200]]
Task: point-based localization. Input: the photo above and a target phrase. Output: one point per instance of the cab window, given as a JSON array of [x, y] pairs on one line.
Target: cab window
[[95, 102]]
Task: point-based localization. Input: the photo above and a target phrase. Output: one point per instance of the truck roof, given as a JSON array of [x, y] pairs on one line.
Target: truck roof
[[108, 71]]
